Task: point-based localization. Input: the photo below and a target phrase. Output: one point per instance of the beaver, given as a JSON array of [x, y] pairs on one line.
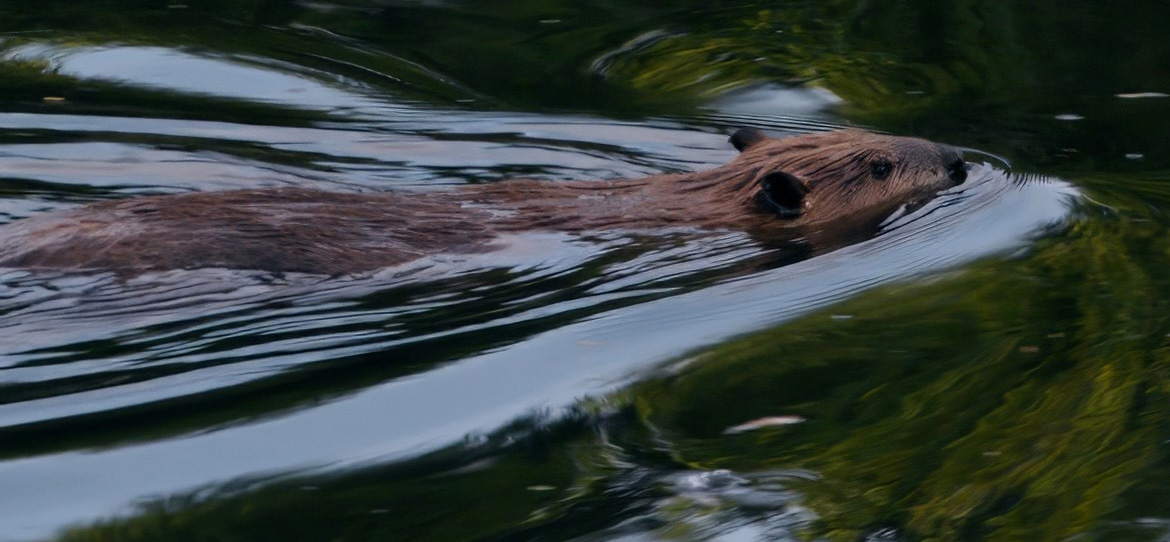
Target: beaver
[[775, 188]]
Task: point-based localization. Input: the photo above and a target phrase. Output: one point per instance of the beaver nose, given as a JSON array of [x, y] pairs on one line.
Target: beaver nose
[[957, 171], [955, 166]]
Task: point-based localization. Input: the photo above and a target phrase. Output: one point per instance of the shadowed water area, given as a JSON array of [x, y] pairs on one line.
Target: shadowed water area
[[994, 365]]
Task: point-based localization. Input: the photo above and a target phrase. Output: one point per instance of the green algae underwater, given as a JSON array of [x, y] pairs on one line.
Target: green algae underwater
[[1022, 393]]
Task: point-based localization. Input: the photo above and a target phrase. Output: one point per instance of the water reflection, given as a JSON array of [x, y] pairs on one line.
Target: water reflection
[[177, 71]]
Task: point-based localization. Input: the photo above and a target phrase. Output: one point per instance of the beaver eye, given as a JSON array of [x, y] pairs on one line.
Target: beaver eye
[[881, 169]]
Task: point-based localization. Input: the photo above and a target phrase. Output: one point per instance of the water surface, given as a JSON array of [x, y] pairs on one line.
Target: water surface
[[988, 367]]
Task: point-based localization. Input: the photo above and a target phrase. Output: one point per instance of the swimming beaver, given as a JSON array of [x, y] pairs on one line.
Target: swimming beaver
[[786, 187]]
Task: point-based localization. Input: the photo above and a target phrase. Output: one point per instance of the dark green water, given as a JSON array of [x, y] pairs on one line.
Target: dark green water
[[995, 366]]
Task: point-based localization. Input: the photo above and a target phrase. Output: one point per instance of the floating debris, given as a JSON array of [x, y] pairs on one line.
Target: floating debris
[[770, 421], [1136, 95]]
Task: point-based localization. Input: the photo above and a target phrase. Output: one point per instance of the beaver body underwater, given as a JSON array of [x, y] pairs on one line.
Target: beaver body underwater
[[775, 188]]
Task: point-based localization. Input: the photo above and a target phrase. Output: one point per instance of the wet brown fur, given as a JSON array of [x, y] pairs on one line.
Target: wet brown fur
[[313, 231]]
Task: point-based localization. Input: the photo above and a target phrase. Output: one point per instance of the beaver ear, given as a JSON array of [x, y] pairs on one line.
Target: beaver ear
[[782, 193], [744, 138]]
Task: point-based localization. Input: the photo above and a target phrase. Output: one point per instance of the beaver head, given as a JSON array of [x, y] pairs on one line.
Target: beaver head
[[846, 176]]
